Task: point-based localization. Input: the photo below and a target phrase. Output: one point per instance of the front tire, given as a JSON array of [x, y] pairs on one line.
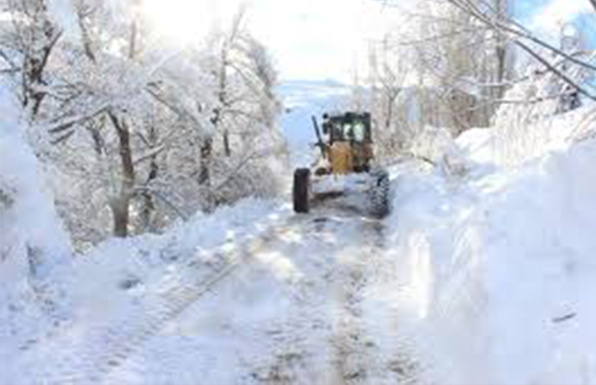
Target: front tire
[[380, 194], [301, 189]]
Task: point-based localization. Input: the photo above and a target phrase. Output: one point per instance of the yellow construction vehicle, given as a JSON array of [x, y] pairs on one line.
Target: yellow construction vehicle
[[344, 166]]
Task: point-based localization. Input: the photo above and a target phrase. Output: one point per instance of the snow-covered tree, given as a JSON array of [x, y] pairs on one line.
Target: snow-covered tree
[[137, 133], [439, 67], [390, 103], [27, 40], [124, 109], [244, 116]]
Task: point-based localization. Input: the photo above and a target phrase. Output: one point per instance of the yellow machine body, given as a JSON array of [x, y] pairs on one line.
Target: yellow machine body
[[341, 158]]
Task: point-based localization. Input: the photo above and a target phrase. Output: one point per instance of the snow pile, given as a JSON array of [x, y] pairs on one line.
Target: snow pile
[[519, 140], [500, 264], [433, 144], [35, 251], [138, 265], [437, 146]]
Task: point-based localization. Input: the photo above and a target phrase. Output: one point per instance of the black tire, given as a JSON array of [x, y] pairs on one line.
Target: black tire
[[301, 190], [380, 194]]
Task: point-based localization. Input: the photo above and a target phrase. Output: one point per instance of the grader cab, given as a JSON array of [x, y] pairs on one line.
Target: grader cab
[[345, 164]]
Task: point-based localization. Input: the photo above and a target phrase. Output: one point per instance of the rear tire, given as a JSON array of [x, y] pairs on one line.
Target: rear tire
[[301, 190], [380, 194]]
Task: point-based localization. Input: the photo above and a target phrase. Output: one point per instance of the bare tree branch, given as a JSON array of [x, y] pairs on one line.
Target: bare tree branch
[[520, 31], [63, 138], [7, 59], [153, 90], [163, 199], [560, 74], [149, 154], [62, 125]]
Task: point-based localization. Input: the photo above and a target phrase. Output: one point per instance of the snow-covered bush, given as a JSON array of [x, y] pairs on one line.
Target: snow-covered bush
[[437, 147], [525, 124]]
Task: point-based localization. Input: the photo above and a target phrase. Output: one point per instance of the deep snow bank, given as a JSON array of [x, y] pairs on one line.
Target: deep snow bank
[[35, 251], [501, 268]]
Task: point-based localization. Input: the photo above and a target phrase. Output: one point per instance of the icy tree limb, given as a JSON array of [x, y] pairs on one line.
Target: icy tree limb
[[6, 59], [150, 154], [472, 10], [560, 74], [63, 138], [59, 126], [154, 92], [241, 165], [163, 199]]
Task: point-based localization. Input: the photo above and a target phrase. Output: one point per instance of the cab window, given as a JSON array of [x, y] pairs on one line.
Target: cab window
[[358, 132]]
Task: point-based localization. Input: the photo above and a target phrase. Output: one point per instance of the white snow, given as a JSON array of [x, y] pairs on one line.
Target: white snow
[[251, 294], [35, 251], [500, 263]]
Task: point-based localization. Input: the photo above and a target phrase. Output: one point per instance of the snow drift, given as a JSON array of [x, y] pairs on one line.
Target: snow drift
[[500, 262], [35, 250]]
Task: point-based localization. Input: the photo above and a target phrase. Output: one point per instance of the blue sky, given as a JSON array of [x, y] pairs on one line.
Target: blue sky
[[544, 16]]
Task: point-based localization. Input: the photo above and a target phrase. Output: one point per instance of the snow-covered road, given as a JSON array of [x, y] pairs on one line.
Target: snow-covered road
[[286, 306], [290, 313]]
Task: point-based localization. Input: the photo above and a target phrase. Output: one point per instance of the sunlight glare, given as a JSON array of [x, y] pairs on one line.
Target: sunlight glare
[[181, 21]]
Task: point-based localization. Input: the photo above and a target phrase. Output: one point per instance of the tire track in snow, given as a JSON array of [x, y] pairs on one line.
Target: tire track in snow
[[348, 338], [359, 355], [357, 254], [353, 361], [102, 349]]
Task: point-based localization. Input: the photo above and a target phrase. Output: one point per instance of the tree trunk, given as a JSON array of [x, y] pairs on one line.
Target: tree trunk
[[226, 143], [121, 204], [148, 204], [223, 99], [205, 171], [120, 213], [132, 46], [502, 9], [206, 154]]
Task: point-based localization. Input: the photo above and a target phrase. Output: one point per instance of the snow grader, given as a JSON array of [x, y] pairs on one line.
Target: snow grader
[[344, 165]]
